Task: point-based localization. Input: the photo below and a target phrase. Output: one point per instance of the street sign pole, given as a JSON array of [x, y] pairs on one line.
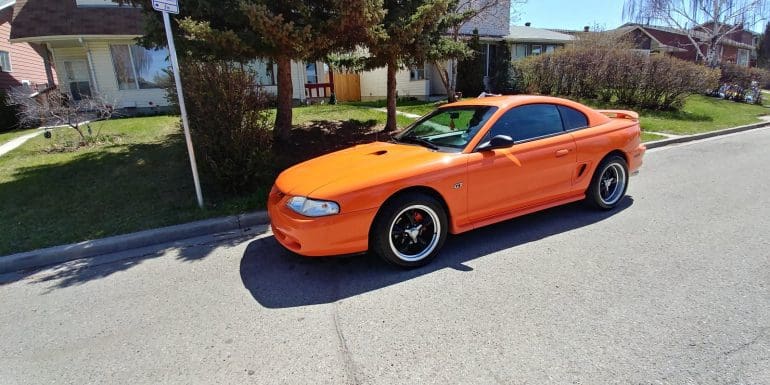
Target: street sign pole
[[182, 108]]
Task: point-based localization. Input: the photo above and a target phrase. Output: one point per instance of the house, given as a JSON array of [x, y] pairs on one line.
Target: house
[[739, 46], [527, 41], [22, 65], [92, 43]]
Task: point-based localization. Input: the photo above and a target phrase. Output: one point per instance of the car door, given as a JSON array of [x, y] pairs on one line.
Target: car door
[[536, 169]]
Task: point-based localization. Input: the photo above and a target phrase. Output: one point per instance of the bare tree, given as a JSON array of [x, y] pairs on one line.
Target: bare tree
[[445, 56], [51, 108], [705, 22]]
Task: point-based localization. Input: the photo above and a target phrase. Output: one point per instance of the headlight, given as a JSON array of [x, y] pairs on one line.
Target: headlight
[[312, 208]]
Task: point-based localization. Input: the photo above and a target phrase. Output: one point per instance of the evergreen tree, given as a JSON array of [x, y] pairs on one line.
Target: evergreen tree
[[504, 81], [763, 51], [470, 72], [282, 31]]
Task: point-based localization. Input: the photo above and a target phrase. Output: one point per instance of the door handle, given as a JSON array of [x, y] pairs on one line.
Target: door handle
[[561, 153]]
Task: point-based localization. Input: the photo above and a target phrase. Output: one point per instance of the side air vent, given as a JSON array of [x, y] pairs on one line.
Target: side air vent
[[582, 170]]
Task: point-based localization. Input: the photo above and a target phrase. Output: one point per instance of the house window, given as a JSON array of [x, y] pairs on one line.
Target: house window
[[519, 51], [550, 48], [139, 68], [537, 49], [312, 73], [5, 61], [416, 73], [264, 70], [743, 58]]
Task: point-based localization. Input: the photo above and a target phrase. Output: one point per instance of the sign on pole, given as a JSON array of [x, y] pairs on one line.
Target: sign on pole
[[166, 7], [170, 6]]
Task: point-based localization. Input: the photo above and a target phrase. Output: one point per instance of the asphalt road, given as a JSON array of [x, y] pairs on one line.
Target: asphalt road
[[672, 288]]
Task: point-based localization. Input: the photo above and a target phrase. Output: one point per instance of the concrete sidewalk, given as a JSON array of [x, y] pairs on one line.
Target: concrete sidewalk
[[16, 143]]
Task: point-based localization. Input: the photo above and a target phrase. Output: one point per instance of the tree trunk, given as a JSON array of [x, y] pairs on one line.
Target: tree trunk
[[391, 125], [282, 131]]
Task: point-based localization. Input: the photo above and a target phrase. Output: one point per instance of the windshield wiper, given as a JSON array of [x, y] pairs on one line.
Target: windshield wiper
[[417, 140]]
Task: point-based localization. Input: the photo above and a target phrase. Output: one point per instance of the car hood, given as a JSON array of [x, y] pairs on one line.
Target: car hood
[[373, 161]]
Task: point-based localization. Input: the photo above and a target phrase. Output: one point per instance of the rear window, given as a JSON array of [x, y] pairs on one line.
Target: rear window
[[572, 118]]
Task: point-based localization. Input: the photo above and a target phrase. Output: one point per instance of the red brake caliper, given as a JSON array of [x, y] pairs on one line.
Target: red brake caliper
[[417, 217]]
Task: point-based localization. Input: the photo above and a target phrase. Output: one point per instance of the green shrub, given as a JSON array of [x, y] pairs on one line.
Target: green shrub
[[9, 114], [230, 125], [628, 77], [470, 72], [743, 76]]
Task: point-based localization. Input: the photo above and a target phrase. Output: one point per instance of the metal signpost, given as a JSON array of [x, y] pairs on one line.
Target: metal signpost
[[166, 7]]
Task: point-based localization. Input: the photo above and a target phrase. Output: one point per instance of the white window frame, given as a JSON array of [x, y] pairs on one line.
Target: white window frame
[[10, 65], [416, 74], [133, 68]]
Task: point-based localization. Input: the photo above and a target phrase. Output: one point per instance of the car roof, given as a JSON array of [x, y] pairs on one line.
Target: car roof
[[508, 101]]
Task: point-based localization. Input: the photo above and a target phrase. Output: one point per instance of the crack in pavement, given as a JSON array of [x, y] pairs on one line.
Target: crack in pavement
[[745, 345], [347, 357]]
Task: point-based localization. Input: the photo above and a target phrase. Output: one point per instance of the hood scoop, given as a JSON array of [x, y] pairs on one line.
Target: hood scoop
[[379, 153]]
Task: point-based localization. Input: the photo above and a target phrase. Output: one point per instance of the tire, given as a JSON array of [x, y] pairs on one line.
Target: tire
[[609, 183], [409, 230]]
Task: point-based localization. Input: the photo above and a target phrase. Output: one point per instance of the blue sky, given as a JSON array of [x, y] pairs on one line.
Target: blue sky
[[571, 14]]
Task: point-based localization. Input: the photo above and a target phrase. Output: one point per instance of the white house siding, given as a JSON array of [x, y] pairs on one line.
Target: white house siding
[[102, 71], [436, 85], [374, 85], [107, 82]]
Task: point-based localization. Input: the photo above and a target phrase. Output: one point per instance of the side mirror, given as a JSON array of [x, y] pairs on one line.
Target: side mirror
[[499, 141]]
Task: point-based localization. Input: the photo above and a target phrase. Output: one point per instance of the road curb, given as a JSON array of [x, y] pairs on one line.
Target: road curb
[[232, 226], [705, 135]]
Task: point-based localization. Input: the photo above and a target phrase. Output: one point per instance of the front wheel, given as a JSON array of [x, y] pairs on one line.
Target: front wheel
[[609, 183], [409, 230]]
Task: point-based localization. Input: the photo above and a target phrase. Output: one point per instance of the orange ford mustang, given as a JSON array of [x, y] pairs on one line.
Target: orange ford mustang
[[466, 165]]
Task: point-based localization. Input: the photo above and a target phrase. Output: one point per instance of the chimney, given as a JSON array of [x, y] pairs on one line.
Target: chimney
[[586, 29], [527, 24]]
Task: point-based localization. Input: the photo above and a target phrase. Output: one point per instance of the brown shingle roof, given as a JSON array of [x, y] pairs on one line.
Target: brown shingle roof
[[40, 18]]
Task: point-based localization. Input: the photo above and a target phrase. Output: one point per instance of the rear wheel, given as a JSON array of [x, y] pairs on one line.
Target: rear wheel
[[609, 183], [409, 230]]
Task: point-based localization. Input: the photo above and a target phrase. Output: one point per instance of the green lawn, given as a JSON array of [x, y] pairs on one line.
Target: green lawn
[[140, 181], [647, 137], [702, 114], [10, 135], [417, 107], [304, 115]]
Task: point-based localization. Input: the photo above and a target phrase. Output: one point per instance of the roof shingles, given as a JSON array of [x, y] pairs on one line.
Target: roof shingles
[[41, 18]]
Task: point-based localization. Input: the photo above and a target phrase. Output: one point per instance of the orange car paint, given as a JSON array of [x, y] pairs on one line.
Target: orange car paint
[[503, 183]]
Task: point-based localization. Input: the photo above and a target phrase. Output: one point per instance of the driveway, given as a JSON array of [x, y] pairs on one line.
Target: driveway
[[671, 288]]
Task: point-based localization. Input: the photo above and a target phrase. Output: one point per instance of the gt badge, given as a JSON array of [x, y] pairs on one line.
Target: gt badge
[[458, 185]]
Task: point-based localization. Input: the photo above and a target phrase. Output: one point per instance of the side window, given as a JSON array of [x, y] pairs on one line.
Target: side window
[[529, 122], [573, 119]]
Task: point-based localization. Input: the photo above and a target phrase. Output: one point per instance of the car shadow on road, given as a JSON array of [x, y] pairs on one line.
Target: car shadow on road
[[277, 278]]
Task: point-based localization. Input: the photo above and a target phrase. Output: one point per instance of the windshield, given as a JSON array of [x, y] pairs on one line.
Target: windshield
[[448, 128]]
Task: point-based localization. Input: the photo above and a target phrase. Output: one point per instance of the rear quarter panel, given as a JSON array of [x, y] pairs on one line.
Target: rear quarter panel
[[594, 143]]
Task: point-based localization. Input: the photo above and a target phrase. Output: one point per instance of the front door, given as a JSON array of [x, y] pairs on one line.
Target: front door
[[78, 79], [536, 169]]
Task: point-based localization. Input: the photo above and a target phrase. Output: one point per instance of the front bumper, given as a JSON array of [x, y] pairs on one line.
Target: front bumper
[[344, 233]]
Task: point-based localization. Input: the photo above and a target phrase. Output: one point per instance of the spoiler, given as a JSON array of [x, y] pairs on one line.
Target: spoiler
[[620, 114]]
